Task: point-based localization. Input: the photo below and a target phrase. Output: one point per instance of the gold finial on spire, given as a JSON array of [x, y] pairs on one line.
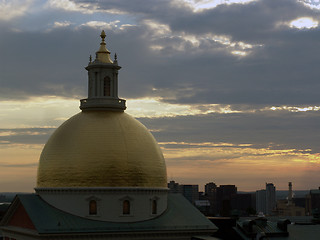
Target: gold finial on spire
[[103, 54], [103, 35]]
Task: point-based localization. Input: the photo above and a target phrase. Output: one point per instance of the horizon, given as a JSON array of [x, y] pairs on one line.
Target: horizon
[[280, 190], [229, 89]]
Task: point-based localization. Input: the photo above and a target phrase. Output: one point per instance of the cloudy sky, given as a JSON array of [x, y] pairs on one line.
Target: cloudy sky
[[229, 88]]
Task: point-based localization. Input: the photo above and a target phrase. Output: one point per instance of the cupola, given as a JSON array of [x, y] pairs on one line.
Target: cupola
[[103, 82]]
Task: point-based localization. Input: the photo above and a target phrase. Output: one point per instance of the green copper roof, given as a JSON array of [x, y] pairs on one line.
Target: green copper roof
[[180, 216]]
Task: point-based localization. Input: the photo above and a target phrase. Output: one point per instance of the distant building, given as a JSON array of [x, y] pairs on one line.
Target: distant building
[[287, 207], [266, 199], [313, 201], [174, 187], [224, 199], [210, 189], [224, 195], [261, 201], [210, 192], [300, 201], [244, 203], [270, 198], [203, 206], [190, 192]]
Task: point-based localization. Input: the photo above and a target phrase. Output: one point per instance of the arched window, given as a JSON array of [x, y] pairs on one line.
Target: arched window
[[154, 206], [126, 207], [93, 207], [106, 86]]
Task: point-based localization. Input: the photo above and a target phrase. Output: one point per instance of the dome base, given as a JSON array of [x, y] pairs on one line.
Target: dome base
[[112, 104], [107, 203]]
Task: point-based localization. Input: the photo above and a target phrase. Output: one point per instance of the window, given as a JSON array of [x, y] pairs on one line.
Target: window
[[93, 207], [154, 206], [106, 86], [126, 207]]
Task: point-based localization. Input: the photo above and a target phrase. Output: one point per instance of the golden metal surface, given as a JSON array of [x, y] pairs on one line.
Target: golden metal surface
[[103, 54], [102, 149]]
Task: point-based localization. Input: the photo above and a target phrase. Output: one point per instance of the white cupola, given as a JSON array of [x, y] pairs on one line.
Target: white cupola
[[103, 82]]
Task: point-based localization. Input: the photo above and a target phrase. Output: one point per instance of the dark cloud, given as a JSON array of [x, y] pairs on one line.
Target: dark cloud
[[47, 63], [282, 70], [251, 22], [276, 130], [255, 22]]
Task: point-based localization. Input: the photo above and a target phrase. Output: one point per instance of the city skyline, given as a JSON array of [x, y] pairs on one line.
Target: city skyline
[[228, 88]]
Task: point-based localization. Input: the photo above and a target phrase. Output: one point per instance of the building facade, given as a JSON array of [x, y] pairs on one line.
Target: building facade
[[313, 202], [287, 207], [266, 199], [261, 201], [271, 202], [211, 194], [225, 194], [190, 192]]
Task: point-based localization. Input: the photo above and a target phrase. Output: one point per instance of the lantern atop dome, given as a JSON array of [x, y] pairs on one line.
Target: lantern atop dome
[[103, 82]]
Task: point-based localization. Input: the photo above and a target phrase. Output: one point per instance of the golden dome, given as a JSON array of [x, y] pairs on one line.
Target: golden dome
[[102, 149]]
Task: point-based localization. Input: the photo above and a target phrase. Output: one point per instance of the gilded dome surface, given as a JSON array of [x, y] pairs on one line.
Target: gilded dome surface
[[102, 149]]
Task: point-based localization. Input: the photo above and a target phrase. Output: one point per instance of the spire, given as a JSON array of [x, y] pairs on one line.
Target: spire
[[103, 54], [115, 61]]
